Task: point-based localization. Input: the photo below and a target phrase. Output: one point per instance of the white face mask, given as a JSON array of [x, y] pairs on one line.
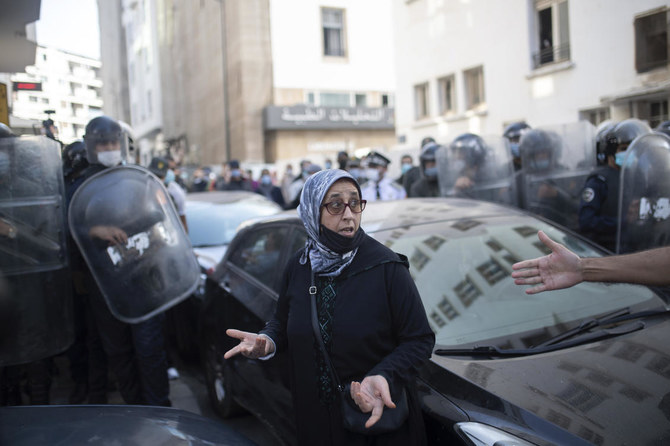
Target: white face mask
[[109, 159], [372, 174]]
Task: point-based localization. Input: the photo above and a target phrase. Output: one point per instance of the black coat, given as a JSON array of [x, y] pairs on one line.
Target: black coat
[[379, 326]]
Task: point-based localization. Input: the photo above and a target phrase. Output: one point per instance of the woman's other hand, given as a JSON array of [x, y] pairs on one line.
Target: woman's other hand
[[371, 395], [251, 345]]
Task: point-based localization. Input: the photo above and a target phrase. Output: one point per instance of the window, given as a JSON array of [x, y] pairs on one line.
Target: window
[[658, 112], [421, 101], [595, 116], [446, 94], [361, 100], [310, 99], [385, 100], [335, 99], [474, 87], [553, 44], [333, 32], [651, 42], [259, 253]]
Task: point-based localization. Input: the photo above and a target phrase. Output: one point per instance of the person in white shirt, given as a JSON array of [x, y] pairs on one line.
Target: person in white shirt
[[379, 186]]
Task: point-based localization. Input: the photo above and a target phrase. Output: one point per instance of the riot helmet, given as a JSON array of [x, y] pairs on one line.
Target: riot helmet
[[619, 138], [513, 133], [426, 140], [663, 127], [104, 141], [74, 158], [540, 150], [470, 148], [428, 160], [602, 132]]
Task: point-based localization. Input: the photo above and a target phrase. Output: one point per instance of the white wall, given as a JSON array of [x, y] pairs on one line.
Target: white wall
[[437, 37], [297, 53]]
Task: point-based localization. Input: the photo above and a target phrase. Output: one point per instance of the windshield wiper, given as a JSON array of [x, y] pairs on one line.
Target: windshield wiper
[[563, 340]]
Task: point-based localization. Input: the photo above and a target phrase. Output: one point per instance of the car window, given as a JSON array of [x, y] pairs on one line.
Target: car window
[[259, 252], [462, 271], [212, 224], [298, 242]]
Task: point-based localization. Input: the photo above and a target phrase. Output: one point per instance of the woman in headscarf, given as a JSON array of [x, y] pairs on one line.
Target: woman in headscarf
[[370, 315]]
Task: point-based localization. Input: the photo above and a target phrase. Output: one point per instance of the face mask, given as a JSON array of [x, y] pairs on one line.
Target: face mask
[[542, 164], [458, 165], [514, 147], [329, 165], [431, 172], [404, 168], [109, 159], [266, 180], [372, 174], [619, 158], [356, 173], [235, 173], [169, 176]]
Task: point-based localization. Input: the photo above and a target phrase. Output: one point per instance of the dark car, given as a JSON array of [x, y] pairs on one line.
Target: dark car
[[585, 365], [212, 218], [112, 425]]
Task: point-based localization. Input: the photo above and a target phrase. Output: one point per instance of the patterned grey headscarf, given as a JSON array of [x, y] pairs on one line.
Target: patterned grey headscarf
[[324, 261]]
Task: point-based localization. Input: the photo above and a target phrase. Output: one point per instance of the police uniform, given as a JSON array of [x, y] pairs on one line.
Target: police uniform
[[598, 207], [384, 188]]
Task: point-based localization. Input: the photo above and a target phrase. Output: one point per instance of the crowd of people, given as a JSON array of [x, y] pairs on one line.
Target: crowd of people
[[330, 200]]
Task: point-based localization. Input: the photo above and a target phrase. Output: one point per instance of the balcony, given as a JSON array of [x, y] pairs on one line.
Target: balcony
[[551, 54]]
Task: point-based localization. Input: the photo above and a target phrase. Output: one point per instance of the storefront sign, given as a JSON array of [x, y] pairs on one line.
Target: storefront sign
[[311, 118]]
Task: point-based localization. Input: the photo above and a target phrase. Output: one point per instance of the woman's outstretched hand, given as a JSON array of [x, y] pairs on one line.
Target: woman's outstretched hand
[[371, 395], [560, 269], [251, 345]]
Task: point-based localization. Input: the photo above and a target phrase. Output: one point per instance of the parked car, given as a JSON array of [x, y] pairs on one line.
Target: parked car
[[585, 365], [112, 425], [212, 218]]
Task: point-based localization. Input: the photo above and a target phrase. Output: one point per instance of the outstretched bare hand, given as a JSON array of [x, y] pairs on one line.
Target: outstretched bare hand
[[251, 345], [371, 395], [560, 269]]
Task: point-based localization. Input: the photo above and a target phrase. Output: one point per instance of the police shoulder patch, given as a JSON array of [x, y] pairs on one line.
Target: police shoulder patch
[[588, 195]]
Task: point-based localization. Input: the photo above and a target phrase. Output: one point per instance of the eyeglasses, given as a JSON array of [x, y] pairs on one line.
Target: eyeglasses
[[338, 207]]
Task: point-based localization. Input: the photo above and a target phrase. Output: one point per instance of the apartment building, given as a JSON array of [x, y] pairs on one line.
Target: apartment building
[[66, 84], [477, 66]]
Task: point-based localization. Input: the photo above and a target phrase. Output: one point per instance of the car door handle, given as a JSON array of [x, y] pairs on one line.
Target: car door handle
[[226, 286]]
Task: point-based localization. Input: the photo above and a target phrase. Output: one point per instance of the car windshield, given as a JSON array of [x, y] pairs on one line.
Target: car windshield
[[462, 271], [214, 224]]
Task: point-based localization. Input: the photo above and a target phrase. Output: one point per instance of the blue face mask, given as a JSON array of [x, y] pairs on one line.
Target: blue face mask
[[404, 168], [619, 158], [235, 173], [542, 164], [356, 173], [431, 172], [266, 180], [329, 165], [169, 177]]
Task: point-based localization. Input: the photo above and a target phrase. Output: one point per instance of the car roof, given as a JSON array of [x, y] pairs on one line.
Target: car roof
[[384, 215], [222, 197]]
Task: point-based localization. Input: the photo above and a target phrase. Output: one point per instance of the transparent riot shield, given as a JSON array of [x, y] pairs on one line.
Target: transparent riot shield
[[485, 172], [556, 161], [35, 288], [129, 233], [644, 199]]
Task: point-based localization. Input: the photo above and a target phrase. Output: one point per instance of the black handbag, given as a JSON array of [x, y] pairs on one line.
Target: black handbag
[[352, 418]]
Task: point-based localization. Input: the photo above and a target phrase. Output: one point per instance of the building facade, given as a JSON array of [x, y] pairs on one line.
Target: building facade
[[215, 80], [66, 85], [478, 66]]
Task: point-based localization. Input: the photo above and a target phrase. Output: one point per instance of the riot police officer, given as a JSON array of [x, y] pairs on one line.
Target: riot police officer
[[598, 207], [136, 352], [379, 186], [663, 127], [513, 134], [470, 153], [427, 185]]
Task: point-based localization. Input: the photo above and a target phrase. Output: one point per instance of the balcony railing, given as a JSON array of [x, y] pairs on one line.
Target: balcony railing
[[551, 54]]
